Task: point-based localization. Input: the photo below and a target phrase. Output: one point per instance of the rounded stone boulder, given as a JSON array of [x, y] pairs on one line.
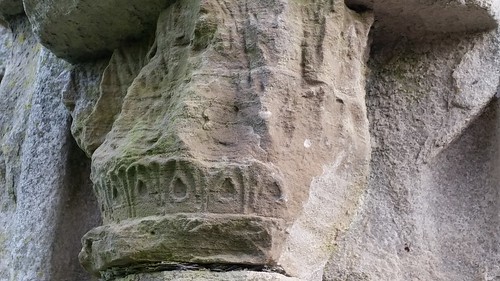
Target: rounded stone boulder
[[9, 8], [415, 19], [84, 29]]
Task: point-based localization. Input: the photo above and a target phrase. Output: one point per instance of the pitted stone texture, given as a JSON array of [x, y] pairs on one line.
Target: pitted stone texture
[[81, 29], [230, 97], [182, 238], [415, 18], [10, 8], [38, 175], [455, 219], [208, 276], [431, 211]]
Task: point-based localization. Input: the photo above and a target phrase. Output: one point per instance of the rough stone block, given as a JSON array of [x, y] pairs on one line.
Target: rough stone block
[[77, 30]]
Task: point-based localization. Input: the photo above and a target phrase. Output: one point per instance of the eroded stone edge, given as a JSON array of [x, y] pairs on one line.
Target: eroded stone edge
[[208, 239]]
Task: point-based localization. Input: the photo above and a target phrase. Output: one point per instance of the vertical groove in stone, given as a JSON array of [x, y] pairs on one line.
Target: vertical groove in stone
[[78, 213]]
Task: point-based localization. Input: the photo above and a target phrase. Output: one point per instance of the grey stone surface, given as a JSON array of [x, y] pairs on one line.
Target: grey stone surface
[[430, 200], [416, 18], [5, 49], [82, 29], [45, 199], [450, 229]]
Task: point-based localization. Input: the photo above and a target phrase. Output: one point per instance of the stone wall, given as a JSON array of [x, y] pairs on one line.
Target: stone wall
[[249, 140], [46, 199]]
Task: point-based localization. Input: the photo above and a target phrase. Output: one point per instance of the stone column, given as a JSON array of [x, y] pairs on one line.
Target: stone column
[[241, 143]]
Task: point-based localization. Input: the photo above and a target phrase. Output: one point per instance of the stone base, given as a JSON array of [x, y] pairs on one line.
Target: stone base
[[182, 238], [204, 275]]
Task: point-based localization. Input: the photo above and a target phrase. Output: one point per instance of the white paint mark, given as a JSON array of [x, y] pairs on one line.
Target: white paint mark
[[307, 143], [265, 114]]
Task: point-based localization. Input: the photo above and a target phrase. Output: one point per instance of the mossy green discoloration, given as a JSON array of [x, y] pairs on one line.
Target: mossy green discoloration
[[159, 93], [205, 30], [182, 239]]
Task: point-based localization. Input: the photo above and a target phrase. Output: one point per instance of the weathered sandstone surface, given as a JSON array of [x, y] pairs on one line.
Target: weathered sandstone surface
[[249, 140]]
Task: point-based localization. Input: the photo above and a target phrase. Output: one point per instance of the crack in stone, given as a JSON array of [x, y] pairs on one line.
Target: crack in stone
[[120, 272]]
